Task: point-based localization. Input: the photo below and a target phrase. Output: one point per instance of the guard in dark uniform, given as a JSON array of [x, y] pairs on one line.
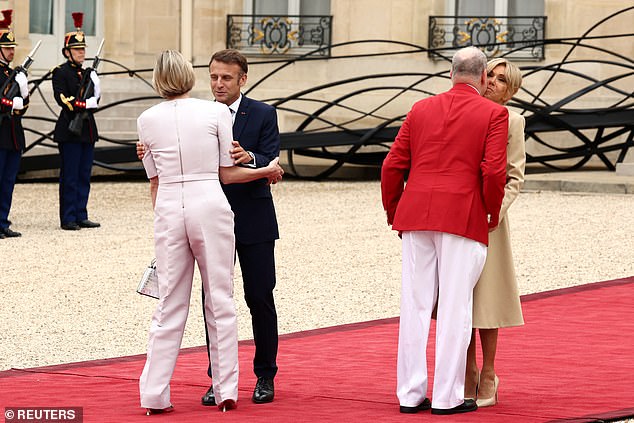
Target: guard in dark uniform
[[76, 151], [11, 132]]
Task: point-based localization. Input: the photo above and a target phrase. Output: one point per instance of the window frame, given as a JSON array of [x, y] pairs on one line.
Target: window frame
[[50, 52]]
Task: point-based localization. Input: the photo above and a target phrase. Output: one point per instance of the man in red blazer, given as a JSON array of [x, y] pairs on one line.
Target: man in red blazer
[[453, 146]]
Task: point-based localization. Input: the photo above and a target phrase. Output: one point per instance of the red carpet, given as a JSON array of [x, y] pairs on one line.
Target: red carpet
[[573, 361]]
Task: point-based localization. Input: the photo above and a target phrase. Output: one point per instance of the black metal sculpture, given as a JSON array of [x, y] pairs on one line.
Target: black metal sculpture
[[353, 120]]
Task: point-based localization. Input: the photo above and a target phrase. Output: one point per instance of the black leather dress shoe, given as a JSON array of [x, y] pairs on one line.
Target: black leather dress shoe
[[7, 232], [70, 226], [209, 398], [2, 235], [88, 224], [264, 390], [425, 405], [465, 407]]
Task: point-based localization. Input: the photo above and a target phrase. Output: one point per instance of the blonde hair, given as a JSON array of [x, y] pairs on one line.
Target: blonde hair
[[512, 74], [173, 75]]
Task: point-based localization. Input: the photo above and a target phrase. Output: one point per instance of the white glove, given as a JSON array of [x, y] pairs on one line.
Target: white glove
[[96, 83], [91, 103], [18, 103], [23, 83]]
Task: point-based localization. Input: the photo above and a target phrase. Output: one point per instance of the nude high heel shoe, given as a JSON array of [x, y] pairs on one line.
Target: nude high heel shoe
[[227, 405], [488, 402], [150, 411]]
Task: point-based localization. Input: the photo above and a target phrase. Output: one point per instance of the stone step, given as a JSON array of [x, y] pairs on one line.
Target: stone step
[[116, 122], [37, 107], [112, 92], [105, 124]]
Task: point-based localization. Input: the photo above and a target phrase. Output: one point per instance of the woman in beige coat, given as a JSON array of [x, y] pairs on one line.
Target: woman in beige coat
[[496, 301]]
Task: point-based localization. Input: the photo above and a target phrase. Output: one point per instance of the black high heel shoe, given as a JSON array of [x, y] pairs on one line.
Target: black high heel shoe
[[150, 411], [227, 405]]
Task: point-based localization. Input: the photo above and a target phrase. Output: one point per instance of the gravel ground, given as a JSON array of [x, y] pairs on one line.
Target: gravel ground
[[70, 296]]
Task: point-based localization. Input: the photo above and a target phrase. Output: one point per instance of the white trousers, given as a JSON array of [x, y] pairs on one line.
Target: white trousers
[[445, 268], [193, 222]]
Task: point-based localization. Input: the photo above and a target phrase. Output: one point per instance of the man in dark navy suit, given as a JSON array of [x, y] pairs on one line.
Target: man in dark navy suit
[[257, 142]]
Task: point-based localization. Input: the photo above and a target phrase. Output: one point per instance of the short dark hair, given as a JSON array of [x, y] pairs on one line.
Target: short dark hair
[[231, 56]]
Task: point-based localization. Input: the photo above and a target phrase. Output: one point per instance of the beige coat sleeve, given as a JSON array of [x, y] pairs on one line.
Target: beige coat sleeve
[[516, 161]]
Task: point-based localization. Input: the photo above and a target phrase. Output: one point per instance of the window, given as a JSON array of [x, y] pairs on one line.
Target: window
[[89, 8], [281, 27], [514, 28], [50, 20], [314, 7], [496, 7], [41, 16], [288, 7]]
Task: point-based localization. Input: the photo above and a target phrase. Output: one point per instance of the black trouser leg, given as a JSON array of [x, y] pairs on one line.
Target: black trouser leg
[[257, 263]]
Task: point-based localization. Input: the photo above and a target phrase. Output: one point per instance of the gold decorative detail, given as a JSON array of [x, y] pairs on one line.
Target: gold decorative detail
[[79, 36], [292, 35], [68, 101], [10, 36], [501, 37], [259, 34], [464, 36]]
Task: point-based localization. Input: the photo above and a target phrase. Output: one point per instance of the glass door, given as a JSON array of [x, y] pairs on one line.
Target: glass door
[[50, 20]]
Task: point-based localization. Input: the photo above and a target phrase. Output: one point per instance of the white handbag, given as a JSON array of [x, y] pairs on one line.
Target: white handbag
[[149, 281]]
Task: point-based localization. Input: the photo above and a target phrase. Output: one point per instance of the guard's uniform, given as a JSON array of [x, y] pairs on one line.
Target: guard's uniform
[[76, 151], [12, 141]]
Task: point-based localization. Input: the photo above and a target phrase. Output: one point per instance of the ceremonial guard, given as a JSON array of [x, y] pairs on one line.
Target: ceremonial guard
[[15, 100], [77, 91]]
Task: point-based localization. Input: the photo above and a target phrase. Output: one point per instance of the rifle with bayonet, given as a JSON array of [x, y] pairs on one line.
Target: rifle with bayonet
[[86, 90], [10, 88]]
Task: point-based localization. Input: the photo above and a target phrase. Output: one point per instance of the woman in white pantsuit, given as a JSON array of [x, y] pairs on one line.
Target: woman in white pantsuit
[[187, 143]]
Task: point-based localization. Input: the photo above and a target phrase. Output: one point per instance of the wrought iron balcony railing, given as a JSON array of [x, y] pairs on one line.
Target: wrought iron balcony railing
[[287, 35], [517, 37]]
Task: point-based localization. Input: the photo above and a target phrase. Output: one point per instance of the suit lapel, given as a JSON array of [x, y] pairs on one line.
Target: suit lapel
[[241, 118]]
